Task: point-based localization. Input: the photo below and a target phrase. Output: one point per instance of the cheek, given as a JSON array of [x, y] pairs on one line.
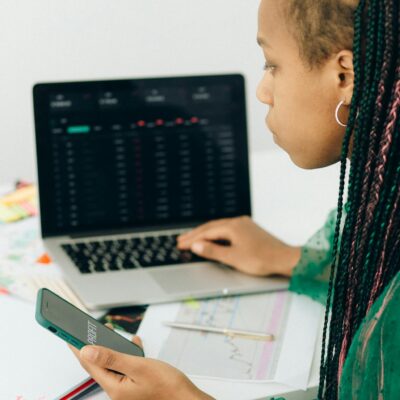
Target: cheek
[[287, 117], [305, 128]]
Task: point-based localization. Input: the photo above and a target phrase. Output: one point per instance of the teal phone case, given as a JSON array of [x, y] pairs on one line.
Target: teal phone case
[[48, 325], [67, 336]]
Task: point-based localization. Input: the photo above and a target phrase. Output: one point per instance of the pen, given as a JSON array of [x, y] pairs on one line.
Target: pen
[[83, 388], [224, 331]]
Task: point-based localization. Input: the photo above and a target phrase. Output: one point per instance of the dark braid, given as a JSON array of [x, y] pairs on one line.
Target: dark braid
[[368, 256], [324, 369], [349, 275], [373, 146], [342, 276]]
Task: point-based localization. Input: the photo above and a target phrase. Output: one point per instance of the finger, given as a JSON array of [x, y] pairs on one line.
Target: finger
[[106, 378], [202, 228], [213, 233], [216, 232], [109, 325], [212, 251], [74, 350], [110, 359], [136, 339], [188, 235]]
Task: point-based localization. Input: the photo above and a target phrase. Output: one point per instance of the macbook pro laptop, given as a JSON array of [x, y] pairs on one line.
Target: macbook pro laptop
[[124, 166]]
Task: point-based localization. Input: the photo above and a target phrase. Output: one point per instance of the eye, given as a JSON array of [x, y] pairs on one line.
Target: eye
[[268, 67]]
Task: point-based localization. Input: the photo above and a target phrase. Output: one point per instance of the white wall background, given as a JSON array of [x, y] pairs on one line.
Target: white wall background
[[56, 40]]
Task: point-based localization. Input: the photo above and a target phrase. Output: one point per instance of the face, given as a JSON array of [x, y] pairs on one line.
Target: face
[[302, 100]]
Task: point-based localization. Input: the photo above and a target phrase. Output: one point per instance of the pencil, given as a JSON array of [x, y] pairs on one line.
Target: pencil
[[224, 331]]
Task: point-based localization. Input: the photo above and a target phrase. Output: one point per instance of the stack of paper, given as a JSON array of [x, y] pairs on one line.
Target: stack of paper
[[294, 321]]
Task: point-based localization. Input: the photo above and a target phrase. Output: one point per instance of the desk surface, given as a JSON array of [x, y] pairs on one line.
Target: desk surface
[[287, 201]]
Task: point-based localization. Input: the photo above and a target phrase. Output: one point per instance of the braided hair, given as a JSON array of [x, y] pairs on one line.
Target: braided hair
[[366, 254], [369, 253]]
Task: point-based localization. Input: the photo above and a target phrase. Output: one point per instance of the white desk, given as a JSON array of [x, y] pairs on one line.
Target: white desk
[[289, 202]]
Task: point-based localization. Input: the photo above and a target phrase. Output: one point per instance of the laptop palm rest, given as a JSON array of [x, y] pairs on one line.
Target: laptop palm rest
[[207, 277]]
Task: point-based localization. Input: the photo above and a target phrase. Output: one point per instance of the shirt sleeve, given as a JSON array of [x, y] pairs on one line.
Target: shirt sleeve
[[311, 274], [372, 366]]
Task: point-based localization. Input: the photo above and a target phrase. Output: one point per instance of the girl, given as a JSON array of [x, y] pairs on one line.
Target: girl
[[332, 84]]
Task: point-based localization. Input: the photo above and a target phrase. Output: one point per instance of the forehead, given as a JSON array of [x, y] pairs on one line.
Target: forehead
[[270, 20], [273, 32]]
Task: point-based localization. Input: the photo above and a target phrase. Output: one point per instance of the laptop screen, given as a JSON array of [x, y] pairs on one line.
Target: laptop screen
[[140, 153]]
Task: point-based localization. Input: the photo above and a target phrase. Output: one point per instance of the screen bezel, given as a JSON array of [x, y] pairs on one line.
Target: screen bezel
[[40, 97]]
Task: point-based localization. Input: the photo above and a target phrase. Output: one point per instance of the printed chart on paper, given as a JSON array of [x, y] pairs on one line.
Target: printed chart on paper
[[232, 358]]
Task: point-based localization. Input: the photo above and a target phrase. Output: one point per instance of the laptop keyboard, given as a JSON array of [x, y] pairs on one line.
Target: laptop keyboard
[[113, 255]]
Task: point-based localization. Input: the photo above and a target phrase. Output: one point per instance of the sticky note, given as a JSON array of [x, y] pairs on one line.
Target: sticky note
[[192, 303]]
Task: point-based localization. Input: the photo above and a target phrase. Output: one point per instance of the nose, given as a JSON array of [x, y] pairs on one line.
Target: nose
[[264, 90]]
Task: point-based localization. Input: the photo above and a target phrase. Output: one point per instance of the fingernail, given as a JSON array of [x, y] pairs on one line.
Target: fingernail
[[197, 247], [89, 353]]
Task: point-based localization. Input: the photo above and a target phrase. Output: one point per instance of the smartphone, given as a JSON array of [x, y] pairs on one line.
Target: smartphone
[[76, 327]]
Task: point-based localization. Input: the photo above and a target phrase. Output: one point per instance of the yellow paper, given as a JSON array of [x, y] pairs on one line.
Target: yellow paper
[[8, 215]]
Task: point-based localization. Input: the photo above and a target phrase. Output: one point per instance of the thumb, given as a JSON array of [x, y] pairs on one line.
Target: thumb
[[212, 251], [106, 358], [138, 341]]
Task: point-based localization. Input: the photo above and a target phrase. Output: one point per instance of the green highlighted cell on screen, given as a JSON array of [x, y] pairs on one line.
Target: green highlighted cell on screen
[[78, 129]]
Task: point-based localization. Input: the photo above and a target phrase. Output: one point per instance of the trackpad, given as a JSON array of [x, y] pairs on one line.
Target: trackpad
[[197, 277]]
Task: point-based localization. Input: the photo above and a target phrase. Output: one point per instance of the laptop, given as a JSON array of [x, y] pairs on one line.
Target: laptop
[[124, 167]]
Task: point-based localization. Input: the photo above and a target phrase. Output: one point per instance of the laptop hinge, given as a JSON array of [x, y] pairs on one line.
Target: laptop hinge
[[113, 232]]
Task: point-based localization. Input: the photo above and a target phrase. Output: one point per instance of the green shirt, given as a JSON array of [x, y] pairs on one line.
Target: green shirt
[[372, 367]]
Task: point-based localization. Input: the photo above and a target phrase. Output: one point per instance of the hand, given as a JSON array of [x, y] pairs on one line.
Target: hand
[[247, 247], [141, 379]]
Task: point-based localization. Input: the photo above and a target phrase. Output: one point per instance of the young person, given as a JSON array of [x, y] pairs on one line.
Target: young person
[[332, 84]]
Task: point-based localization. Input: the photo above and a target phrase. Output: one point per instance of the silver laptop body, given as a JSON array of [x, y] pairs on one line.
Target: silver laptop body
[[125, 166]]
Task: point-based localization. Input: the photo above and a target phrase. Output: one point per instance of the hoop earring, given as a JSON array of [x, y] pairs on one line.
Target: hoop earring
[[337, 114]]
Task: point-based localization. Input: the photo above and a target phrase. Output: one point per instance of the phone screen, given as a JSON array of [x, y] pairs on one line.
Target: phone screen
[[65, 316]]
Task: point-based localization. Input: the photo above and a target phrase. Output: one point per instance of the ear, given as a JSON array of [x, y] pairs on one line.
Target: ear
[[344, 71]]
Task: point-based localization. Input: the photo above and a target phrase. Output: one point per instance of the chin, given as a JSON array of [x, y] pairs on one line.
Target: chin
[[309, 164], [300, 163]]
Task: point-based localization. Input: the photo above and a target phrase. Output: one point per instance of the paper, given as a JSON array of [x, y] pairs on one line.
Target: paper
[[19, 204], [20, 247], [25, 267], [36, 365], [233, 358], [291, 318]]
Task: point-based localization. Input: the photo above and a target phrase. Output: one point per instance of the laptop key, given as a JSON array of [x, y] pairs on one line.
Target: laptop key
[[83, 267], [155, 246], [129, 265], [146, 261], [107, 257], [85, 270], [135, 254], [160, 258], [141, 247], [162, 251], [174, 256]]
